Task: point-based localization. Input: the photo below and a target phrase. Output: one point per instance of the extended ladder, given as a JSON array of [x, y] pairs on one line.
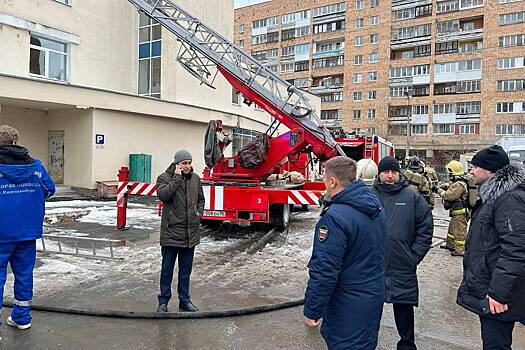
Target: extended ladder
[[203, 50]]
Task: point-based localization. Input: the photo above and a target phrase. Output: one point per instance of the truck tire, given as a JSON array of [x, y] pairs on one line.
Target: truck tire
[[280, 216]]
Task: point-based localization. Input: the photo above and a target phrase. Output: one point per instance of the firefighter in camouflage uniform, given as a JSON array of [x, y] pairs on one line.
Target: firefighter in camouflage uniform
[[415, 174], [455, 199]]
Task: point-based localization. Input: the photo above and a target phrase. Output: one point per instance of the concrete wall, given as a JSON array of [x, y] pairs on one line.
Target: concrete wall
[[32, 127]]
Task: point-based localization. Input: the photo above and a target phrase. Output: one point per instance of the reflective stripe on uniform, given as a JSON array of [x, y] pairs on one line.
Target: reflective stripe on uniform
[[459, 242], [23, 303], [458, 211]]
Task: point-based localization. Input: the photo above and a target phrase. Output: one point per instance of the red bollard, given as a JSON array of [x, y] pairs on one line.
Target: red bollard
[[122, 197]]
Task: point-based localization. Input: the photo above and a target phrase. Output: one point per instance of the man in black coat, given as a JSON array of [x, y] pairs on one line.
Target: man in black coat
[[409, 229], [493, 283]]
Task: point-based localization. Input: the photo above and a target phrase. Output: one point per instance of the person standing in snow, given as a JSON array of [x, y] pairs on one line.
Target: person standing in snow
[[181, 191], [24, 187]]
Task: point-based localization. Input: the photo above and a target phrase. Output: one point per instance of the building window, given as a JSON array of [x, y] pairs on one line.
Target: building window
[[511, 40], [444, 108], [287, 67], [443, 129], [331, 114], [510, 129], [241, 43], [329, 9], [302, 66], [373, 57], [359, 23], [241, 29], [511, 18], [328, 62], [372, 76], [511, 85], [371, 113], [296, 16], [424, 10], [448, 47], [423, 50], [357, 96], [511, 62], [48, 58], [149, 57], [465, 4], [467, 129], [420, 109], [466, 108], [411, 32], [507, 1], [241, 137], [403, 14], [510, 107], [374, 38], [419, 129], [469, 86], [374, 3], [421, 90], [236, 97], [358, 59], [358, 41], [400, 91], [372, 94], [448, 6], [374, 20], [357, 114], [359, 4], [329, 27], [332, 97], [266, 22], [358, 78]]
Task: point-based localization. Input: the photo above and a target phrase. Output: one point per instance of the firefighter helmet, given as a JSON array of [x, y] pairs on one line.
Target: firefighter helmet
[[414, 163], [455, 168], [366, 171]]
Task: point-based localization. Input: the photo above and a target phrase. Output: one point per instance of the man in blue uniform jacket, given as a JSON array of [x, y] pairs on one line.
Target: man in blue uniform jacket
[[346, 285], [24, 187]]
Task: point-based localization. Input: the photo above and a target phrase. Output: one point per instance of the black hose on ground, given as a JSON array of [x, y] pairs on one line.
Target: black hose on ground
[[165, 315]]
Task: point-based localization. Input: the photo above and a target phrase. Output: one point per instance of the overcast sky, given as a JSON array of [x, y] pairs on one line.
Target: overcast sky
[[241, 3]]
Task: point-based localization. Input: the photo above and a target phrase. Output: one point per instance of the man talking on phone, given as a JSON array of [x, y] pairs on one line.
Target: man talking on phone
[[181, 191]]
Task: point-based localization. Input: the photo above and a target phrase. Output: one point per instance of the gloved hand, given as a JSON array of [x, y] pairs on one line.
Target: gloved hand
[[444, 186]]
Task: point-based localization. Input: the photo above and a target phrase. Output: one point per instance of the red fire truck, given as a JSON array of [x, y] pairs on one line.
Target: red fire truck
[[237, 188]]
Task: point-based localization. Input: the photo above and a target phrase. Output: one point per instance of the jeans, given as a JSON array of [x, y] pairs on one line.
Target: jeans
[[169, 255], [21, 256]]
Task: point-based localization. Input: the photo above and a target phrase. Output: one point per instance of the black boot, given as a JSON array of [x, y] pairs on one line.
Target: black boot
[[188, 307], [162, 308]]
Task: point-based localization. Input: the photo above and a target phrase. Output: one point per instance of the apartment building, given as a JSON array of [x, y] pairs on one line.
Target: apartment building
[[451, 72], [87, 82]]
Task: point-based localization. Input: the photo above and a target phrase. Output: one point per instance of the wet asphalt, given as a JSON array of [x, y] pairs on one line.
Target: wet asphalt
[[440, 323]]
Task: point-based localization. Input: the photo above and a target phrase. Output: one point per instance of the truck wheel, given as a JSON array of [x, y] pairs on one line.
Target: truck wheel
[[280, 216]]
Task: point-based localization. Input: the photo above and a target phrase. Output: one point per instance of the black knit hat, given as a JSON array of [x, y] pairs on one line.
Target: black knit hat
[[388, 163], [492, 158]]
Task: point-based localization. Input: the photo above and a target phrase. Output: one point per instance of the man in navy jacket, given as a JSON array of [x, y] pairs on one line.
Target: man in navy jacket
[[24, 187], [346, 285]]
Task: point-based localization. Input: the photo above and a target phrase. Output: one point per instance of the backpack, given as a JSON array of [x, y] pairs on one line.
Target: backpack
[[472, 190]]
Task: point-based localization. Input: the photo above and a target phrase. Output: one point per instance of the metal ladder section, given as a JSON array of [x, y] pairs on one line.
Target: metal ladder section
[[61, 239], [203, 49]]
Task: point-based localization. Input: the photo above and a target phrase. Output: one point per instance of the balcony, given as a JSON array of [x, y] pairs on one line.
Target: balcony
[[404, 4], [328, 53], [460, 35], [324, 89], [457, 76]]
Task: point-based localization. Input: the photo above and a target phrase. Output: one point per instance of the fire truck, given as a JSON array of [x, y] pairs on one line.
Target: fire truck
[[237, 188]]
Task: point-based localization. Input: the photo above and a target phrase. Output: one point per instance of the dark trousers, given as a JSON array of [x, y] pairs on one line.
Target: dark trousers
[[496, 335], [169, 255], [404, 316]]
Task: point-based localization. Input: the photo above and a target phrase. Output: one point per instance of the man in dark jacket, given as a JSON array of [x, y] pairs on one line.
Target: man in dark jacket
[[493, 283], [409, 232], [346, 285], [181, 191], [24, 187]]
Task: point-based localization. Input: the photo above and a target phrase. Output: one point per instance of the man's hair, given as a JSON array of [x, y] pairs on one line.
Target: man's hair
[[342, 168], [8, 135]]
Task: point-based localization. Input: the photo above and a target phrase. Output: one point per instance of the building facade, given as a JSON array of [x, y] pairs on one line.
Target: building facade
[[451, 72], [88, 82]]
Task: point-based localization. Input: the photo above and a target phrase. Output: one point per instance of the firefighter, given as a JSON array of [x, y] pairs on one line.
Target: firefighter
[[455, 199], [414, 173], [366, 171]]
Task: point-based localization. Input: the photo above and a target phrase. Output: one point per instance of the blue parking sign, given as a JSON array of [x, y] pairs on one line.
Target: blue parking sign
[[99, 139]]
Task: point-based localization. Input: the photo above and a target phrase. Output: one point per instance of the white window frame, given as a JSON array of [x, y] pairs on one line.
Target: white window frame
[[358, 78], [359, 4], [46, 58], [465, 129], [357, 96]]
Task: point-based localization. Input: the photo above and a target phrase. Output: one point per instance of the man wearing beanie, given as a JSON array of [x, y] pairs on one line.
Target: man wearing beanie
[[409, 230], [181, 191], [493, 283]]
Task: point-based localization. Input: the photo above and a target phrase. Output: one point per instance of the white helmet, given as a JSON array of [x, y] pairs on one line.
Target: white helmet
[[366, 171]]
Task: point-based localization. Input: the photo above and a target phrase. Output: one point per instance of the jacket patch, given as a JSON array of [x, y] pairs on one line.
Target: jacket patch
[[322, 235]]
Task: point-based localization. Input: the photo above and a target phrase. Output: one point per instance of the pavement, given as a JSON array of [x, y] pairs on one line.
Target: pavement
[[232, 270]]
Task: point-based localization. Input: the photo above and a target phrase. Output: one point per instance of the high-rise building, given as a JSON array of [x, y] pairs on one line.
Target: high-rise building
[[452, 70]]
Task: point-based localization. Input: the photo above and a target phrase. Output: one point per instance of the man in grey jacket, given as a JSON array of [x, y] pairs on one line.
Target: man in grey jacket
[[181, 191]]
